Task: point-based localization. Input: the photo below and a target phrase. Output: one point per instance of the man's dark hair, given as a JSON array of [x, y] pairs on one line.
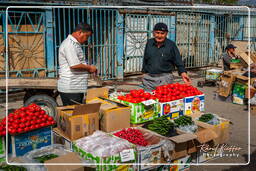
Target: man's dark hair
[[84, 27]]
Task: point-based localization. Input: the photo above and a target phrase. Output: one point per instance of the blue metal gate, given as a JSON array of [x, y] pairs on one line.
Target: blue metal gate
[[101, 49]]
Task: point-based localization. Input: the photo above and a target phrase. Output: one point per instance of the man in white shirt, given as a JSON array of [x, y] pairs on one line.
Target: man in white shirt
[[74, 70]]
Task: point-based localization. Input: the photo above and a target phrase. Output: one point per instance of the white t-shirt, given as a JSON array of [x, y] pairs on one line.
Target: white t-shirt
[[70, 80]]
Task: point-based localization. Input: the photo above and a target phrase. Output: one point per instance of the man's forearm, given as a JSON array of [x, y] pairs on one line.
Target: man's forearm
[[81, 67]]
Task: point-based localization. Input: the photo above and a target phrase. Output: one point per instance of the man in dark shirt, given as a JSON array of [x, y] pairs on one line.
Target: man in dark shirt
[[160, 57], [228, 55]]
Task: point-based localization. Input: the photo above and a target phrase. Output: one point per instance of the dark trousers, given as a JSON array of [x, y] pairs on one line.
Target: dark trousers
[[71, 98]]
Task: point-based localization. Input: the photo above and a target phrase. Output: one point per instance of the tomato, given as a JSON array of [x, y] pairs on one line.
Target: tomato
[[10, 115], [42, 124], [52, 122], [23, 120], [23, 108], [15, 126], [33, 122], [22, 125], [29, 113], [42, 112], [34, 118], [16, 116], [27, 124], [32, 127], [20, 130], [37, 126], [26, 129], [38, 121], [50, 118], [36, 114]]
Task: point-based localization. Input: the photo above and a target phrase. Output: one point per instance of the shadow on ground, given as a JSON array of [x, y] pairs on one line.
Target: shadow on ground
[[250, 166]]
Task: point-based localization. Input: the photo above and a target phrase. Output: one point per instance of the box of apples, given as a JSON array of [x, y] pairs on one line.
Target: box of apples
[[28, 128]]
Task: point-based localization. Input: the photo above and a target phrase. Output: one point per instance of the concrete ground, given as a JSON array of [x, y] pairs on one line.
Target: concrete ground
[[238, 132]]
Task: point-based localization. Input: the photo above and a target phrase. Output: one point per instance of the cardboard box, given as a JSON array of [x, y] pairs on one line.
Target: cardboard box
[[236, 66], [23, 143], [185, 160], [253, 110], [173, 109], [182, 143], [77, 121], [142, 112], [68, 158], [96, 92], [203, 135], [151, 153], [221, 130], [108, 162], [112, 114], [193, 104], [250, 94], [203, 157], [226, 84], [213, 74], [59, 137]]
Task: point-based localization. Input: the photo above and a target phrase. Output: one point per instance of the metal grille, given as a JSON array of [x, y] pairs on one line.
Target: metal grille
[[26, 44], [101, 47]]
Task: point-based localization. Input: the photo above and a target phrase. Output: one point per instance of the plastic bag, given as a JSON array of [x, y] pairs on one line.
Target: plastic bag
[[189, 128], [253, 100], [56, 149], [102, 144]]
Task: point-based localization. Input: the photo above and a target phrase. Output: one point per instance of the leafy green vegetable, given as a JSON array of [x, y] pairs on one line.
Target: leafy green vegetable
[[44, 158], [12, 168]]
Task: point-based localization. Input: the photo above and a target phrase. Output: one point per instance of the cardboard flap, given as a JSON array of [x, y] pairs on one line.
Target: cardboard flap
[[183, 138], [68, 158], [61, 133], [97, 92], [86, 108], [205, 135]]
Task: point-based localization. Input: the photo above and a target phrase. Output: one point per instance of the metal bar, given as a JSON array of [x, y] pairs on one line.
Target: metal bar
[[31, 22], [241, 25], [108, 49], [96, 37], [74, 18], [50, 45], [59, 30], [55, 41], [125, 11], [113, 43], [105, 42], [120, 43], [39, 23], [69, 26], [101, 42]]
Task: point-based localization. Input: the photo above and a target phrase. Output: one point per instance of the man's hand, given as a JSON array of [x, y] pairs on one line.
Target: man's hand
[[92, 69], [185, 78]]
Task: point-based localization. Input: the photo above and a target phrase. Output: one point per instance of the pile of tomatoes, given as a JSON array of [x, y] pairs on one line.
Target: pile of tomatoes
[[171, 92], [25, 119], [136, 96], [164, 93]]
